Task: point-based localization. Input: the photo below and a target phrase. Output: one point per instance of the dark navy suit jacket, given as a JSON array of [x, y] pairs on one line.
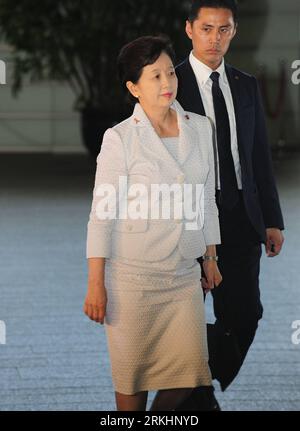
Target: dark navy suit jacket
[[259, 188]]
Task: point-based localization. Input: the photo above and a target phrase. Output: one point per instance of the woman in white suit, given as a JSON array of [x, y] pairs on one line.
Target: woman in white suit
[[143, 277]]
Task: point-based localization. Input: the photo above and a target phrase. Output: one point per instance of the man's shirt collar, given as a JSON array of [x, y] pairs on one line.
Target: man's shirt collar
[[203, 72]]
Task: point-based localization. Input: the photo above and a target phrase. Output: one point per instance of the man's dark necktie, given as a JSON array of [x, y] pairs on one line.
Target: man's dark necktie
[[229, 188]]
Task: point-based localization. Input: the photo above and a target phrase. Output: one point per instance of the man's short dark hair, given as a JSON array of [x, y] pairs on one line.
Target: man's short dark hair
[[140, 53], [196, 5]]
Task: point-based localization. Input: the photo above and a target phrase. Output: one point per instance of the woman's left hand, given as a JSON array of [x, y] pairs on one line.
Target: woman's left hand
[[213, 276]]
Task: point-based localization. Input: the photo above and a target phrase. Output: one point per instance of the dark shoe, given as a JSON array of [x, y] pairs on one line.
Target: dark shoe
[[202, 399]]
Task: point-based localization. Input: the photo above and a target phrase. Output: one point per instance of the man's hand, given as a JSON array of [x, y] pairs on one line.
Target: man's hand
[[274, 243]]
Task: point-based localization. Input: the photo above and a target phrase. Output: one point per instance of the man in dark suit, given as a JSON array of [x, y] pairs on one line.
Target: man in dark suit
[[246, 194]]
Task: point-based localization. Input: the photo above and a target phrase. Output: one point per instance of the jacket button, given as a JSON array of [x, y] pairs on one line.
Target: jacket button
[[180, 178]]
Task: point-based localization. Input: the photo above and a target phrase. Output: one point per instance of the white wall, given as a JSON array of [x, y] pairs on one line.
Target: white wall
[[40, 119]]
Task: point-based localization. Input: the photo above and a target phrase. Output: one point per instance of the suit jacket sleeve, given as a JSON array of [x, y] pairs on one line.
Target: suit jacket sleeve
[[111, 163], [211, 227], [263, 170]]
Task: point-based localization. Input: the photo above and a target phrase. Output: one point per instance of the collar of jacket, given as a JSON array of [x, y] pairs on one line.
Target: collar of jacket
[[148, 137]]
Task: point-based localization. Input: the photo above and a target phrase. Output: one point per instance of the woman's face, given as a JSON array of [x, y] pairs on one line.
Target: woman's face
[[157, 86]]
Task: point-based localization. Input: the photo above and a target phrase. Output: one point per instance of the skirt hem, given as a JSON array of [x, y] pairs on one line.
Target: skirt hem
[[184, 383]]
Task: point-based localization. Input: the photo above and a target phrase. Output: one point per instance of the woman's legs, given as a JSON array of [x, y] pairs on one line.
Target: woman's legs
[[165, 399], [136, 402], [169, 399]]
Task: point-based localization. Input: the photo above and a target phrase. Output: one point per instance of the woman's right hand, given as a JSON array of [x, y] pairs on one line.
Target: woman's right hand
[[95, 302]]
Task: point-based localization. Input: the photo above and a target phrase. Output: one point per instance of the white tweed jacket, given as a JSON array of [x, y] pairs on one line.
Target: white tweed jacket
[[133, 150]]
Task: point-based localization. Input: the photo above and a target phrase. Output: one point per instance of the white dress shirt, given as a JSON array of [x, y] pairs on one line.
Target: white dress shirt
[[202, 73]]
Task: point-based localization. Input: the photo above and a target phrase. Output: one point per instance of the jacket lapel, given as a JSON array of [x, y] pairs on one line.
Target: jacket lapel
[[153, 143], [188, 137], [233, 80], [189, 89]]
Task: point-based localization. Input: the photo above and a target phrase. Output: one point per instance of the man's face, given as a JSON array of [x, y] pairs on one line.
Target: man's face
[[211, 34]]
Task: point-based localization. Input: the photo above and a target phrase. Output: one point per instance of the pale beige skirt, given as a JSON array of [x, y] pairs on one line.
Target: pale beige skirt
[[155, 327]]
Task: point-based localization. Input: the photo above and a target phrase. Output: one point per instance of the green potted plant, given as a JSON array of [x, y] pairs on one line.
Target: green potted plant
[[77, 41]]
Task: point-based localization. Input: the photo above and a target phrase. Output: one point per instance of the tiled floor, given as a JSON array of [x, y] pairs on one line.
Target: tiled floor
[[55, 358]]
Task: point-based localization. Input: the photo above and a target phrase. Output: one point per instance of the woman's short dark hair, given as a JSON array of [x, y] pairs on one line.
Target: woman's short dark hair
[[196, 5], [140, 53]]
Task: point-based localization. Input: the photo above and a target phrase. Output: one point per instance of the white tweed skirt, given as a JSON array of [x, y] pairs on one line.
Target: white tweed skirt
[[155, 327]]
